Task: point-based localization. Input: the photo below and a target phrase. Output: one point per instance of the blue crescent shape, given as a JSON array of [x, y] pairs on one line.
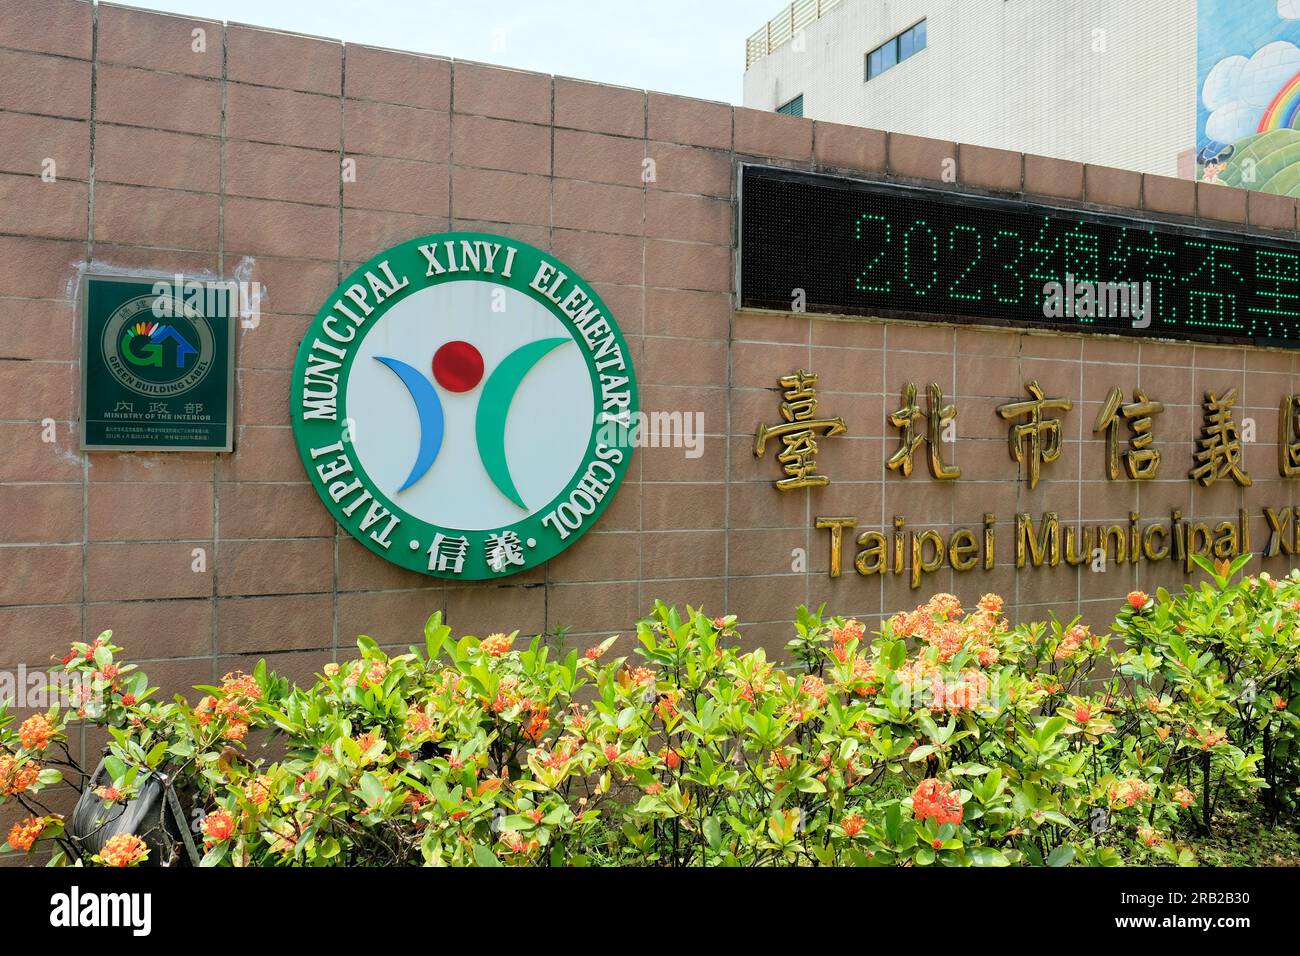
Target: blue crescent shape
[[429, 407]]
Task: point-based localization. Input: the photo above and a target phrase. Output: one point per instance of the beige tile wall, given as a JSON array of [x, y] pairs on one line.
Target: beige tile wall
[[169, 159]]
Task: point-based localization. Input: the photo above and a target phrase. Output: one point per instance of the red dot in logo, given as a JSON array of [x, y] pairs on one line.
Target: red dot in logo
[[457, 366]]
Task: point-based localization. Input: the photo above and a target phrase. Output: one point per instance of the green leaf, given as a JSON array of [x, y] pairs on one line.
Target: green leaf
[[987, 856], [435, 634], [485, 857], [894, 822], [214, 856], [372, 790], [713, 833], [1063, 855], [115, 767], [155, 756]]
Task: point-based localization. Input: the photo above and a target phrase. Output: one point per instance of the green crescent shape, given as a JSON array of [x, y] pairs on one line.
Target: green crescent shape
[[494, 406]]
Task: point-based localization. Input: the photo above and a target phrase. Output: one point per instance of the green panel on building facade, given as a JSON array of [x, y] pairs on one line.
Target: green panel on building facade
[[157, 363]]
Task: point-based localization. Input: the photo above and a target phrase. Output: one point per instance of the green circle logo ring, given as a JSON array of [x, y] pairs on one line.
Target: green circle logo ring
[[155, 345], [465, 405]]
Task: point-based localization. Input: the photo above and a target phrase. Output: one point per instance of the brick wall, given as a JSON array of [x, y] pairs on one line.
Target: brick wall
[[227, 162]]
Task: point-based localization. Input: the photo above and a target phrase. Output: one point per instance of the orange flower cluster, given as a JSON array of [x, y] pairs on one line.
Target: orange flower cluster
[[1211, 737], [239, 684], [758, 685], [934, 799], [494, 645], [666, 706], [1130, 791], [671, 758], [258, 789], [516, 843], [939, 623], [814, 687], [865, 671], [506, 697], [24, 833], [87, 654], [1150, 836], [17, 776], [287, 836], [580, 717], [417, 724], [218, 827], [852, 824], [539, 719], [452, 683], [853, 630], [110, 673], [1183, 797], [367, 741], [966, 693], [372, 676], [639, 676], [559, 758], [238, 690], [1071, 640], [414, 802], [36, 732], [1137, 600], [125, 849]]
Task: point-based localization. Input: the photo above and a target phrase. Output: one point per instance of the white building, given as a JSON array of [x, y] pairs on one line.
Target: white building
[[1111, 82]]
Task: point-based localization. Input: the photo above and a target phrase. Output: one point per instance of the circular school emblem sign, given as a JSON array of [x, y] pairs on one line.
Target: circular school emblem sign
[[464, 405]]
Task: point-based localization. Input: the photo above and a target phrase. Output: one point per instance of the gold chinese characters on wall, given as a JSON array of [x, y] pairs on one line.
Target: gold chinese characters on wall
[[1034, 435], [1127, 441]]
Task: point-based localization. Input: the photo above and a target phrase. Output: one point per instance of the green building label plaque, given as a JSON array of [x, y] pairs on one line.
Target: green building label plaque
[[157, 363]]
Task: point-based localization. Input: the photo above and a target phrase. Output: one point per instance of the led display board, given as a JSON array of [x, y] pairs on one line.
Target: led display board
[[827, 244]]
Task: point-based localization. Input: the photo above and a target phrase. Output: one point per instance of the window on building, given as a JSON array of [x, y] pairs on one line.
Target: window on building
[[793, 108], [895, 50], [889, 54], [905, 41]]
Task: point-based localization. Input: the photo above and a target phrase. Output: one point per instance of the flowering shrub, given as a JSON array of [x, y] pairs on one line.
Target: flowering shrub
[[1217, 671], [947, 737]]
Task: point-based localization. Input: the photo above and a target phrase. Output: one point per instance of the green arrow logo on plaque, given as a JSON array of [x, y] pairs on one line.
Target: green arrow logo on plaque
[[464, 405]]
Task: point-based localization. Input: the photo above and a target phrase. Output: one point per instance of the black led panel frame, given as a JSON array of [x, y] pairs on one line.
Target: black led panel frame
[[867, 248]]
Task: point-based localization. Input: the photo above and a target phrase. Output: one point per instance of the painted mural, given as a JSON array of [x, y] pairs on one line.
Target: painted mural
[[1248, 110]]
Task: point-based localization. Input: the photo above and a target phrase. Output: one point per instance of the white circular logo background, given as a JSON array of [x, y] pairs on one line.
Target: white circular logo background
[[547, 429]]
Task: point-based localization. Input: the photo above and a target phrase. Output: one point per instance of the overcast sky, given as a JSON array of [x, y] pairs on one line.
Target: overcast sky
[[674, 46]]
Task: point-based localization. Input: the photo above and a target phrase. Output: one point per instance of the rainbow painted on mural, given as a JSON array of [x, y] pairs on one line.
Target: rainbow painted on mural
[[1281, 113]]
